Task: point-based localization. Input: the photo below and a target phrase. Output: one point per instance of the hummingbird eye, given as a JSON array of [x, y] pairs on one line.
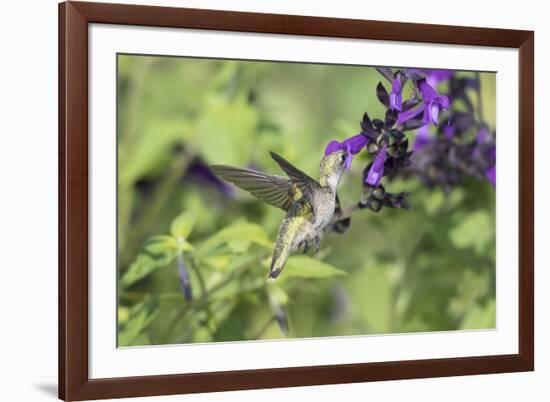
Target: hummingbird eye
[[343, 157]]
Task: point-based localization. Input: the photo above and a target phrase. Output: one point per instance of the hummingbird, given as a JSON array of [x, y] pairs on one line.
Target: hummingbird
[[309, 204]]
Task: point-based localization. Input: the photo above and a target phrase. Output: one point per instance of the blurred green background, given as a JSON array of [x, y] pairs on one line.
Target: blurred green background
[[430, 268]]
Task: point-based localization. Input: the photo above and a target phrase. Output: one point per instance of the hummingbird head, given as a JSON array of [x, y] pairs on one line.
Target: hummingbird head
[[332, 167]]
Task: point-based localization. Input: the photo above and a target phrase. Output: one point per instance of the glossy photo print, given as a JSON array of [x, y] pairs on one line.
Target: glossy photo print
[[262, 200]]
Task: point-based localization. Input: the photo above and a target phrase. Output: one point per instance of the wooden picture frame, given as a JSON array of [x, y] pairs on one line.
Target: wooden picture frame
[[74, 381]]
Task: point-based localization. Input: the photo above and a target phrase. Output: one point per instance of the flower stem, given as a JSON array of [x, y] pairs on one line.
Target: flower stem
[[202, 285], [154, 207], [263, 328], [204, 298]]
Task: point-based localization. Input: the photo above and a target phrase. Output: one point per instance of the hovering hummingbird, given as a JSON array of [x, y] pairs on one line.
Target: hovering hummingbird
[[309, 204]]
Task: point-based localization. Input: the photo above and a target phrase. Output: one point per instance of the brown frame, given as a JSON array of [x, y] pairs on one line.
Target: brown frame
[[74, 17]]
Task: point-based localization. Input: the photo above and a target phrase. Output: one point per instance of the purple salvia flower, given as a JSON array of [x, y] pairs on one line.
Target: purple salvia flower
[[413, 73], [449, 131], [485, 155], [433, 102], [356, 143], [491, 175], [481, 137], [334, 146], [491, 172], [352, 146], [396, 98], [281, 318], [492, 154], [184, 278], [422, 138], [376, 171], [434, 77], [199, 172], [411, 113]]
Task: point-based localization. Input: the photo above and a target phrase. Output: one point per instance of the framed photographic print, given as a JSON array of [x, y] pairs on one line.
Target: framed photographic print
[[258, 200]]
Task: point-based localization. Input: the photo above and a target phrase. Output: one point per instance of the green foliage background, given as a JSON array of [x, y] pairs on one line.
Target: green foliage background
[[431, 268]]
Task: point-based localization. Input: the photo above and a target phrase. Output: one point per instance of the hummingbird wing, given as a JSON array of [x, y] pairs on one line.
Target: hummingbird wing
[[274, 190], [306, 184]]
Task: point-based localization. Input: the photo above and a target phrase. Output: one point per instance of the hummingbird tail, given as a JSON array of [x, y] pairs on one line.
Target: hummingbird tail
[[278, 261], [274, 273], [276, 268]]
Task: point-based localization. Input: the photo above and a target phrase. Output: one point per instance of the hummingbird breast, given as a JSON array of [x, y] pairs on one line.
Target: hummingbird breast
[[325, 202], [302, 223]]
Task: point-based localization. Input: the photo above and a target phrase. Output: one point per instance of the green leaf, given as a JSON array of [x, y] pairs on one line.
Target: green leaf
[[185, 246], [480, 317], [152, 151], [160, 244], [371, 289], [183, 225], [433, 202], [225, 131], [241, 232], [218, 262], [124, 314], [141, 316], [475, 231], [302, 266], [277, 296], [157, 252], [238, 246]]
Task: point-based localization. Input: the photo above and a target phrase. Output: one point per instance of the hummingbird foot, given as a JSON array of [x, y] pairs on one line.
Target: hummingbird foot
[[314, 245], [310, 245]]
